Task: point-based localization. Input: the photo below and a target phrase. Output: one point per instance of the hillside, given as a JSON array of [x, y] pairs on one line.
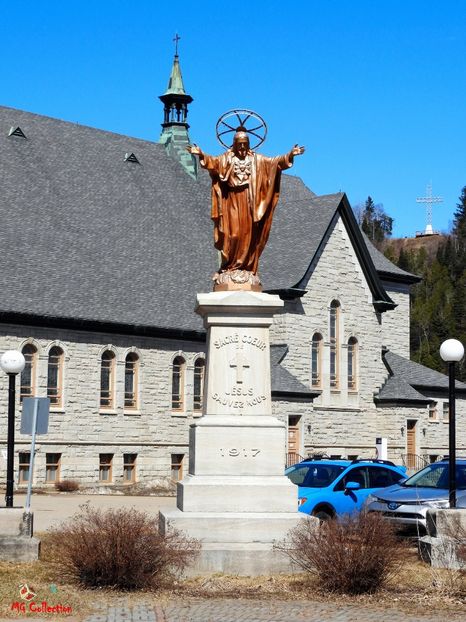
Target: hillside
[[438, 302], [392, 247]]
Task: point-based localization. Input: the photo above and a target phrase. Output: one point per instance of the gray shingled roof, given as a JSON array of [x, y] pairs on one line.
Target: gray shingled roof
[[300, 223], [396, 389], [383, 265], [417, 375], [409, 381], [283, 382], [91, 237]]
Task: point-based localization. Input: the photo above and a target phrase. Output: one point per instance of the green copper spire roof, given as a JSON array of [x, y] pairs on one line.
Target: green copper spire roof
[[175, 126], [175, 84]]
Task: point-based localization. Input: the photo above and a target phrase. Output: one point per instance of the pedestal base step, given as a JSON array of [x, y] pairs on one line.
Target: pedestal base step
[[271, 494], [243, 559], [215, 527], [19, 549]]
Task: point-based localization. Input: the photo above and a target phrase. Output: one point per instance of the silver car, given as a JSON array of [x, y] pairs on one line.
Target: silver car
[[406, 504]]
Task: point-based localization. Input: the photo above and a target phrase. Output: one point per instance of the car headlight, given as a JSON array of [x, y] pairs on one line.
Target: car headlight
[[371, 499], [442, 503]]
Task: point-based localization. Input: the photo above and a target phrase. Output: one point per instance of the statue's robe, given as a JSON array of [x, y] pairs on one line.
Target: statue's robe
[[242, 209]]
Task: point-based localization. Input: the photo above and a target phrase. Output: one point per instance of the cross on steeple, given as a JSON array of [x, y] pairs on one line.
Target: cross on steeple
[[239, 363], [176, 38]]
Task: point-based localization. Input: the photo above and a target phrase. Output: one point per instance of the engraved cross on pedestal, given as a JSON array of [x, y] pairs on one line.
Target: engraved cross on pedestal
[[239, 363]]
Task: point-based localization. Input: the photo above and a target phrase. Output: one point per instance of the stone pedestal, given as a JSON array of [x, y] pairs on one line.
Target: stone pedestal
[[16, 540], [236, 499], [444, 546]]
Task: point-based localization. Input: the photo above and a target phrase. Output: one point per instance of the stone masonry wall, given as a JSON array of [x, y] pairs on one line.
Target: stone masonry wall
[[339, 422], [81, 430], [343, 423], [431, 433], [395, 323]]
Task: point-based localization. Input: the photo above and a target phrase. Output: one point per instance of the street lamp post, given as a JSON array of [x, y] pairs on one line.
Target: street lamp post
[[12, 362], [451, 351]]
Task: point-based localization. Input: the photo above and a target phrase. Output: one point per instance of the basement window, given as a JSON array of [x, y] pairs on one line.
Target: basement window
[[24, 467]]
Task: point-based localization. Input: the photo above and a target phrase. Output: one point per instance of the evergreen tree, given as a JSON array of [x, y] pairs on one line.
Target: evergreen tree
[[390, 253], [376, 224], [459, 223], [438, 302], [404, 260], [459, 237], [368, 218], [459, 318]]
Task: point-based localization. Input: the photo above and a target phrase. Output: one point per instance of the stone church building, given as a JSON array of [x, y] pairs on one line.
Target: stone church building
[[106, 241]]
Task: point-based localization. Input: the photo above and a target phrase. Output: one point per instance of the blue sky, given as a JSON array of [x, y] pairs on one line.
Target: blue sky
[[375, 90]]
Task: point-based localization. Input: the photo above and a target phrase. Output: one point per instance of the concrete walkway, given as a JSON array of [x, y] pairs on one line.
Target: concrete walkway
[[51, 510], [237, 610]]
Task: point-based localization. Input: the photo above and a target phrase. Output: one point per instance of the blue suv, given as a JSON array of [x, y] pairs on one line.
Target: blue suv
[[328, 488]]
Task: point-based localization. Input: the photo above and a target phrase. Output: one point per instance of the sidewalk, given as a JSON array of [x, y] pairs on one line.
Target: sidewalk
[[51, 510], [238, 610]]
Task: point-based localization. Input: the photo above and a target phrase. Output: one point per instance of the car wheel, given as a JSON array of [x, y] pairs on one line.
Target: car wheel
[[322, 515]]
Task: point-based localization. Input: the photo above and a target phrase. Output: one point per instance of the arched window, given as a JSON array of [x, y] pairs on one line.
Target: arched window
[[131, 380], [55, 376], [107, 380], [28, 374], [316, 360], [352, 364], [178, 372], [334, 344], [199, 368]]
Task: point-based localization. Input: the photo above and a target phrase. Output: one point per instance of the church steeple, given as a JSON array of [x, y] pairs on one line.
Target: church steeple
[[175, 113]]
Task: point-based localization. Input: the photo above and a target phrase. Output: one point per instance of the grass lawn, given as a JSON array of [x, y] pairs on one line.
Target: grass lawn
[[418, 588]]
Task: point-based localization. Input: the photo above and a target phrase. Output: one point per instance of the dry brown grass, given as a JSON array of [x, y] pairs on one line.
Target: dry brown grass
[[416, 589], [41, 578]]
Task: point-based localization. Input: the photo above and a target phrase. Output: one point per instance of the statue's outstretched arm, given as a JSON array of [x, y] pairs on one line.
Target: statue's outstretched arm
[[211, 163], [195, 150], [286, 161], [296, 151]]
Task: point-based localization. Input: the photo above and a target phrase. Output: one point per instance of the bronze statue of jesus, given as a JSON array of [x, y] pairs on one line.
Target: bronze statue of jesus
[[245, 191]]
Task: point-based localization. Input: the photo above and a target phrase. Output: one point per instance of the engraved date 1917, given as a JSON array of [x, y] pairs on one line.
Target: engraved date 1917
[[246, 453]]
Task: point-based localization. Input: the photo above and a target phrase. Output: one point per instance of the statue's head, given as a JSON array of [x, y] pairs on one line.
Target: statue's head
[[241, 143]]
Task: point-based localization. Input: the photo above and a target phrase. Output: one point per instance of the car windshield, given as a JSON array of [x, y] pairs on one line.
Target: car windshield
[[315, 475], [436, 476]]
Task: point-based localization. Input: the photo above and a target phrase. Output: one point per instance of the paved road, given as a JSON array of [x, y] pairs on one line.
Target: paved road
[[51, 510], [228, 610]]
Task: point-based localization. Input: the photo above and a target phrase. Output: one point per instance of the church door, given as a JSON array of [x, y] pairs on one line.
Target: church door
[[294, 441], [411, 444]]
